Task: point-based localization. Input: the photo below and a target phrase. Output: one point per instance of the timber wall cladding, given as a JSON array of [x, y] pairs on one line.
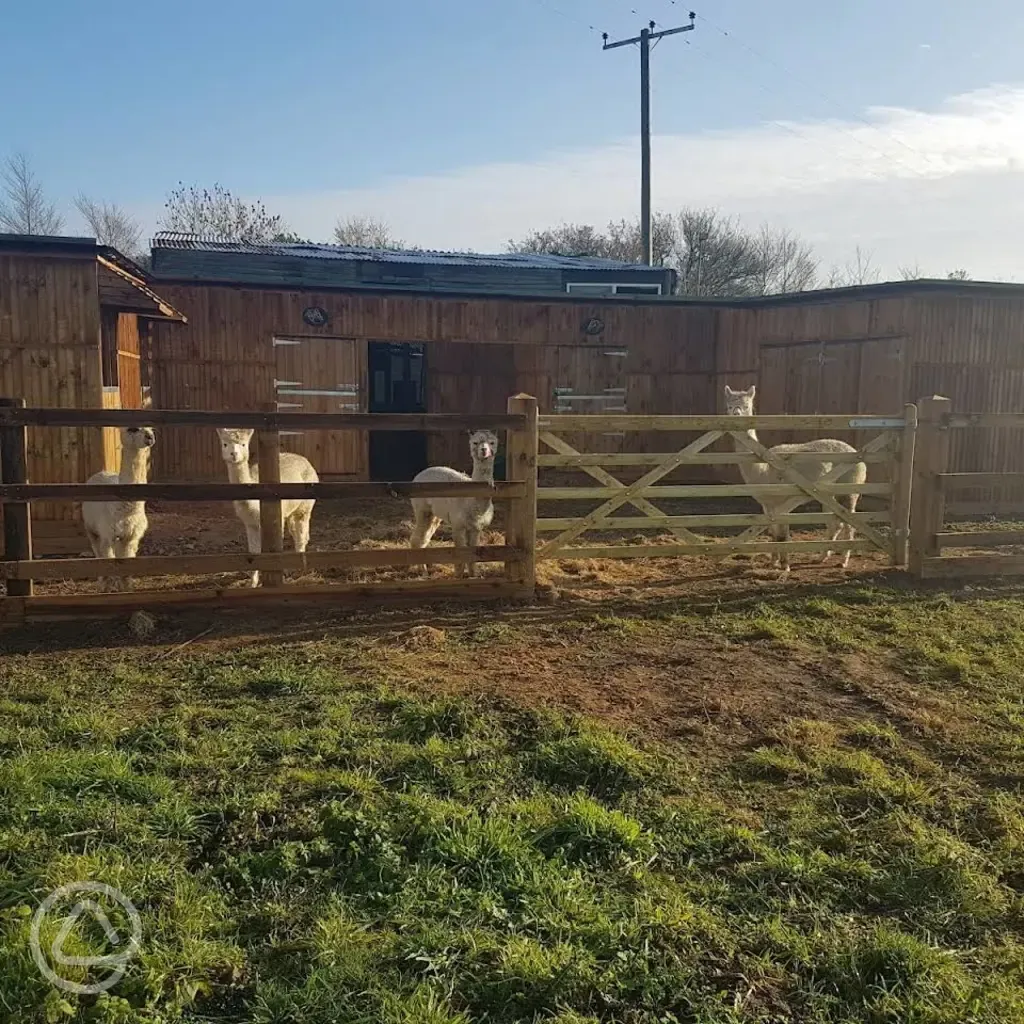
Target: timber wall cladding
[[50, 356], [478, 352]]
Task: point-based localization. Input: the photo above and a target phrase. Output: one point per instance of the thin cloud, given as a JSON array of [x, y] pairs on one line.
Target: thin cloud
[[942, 188]]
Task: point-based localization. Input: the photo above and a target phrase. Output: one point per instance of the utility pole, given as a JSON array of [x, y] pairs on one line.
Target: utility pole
[[647, 35]]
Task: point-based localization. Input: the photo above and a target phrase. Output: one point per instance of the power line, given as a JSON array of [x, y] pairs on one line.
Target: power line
[[816, 89], [568, 17]]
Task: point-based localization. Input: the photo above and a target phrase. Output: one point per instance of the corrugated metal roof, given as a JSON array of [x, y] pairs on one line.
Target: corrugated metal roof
[[544, 261]]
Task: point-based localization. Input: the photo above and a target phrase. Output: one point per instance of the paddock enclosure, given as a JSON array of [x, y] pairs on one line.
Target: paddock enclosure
[[867, 350], [74, 316]]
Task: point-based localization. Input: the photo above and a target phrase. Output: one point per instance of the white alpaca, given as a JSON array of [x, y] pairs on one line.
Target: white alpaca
[[468, 517], [741, 403], [115, 528], [295, 469]]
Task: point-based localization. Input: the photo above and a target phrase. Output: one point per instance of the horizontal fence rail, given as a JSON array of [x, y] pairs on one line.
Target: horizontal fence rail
[[618, 422], [500, 490], [51, 417]]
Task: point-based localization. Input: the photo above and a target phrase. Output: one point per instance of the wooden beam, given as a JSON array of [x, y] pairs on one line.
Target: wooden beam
[[937, 568], [712, 549], [931, 458], [1014, 420], [620, 459], [84, 605], [52, 417], [714, 521], [268, 444], [617, 422], [709, 491], [959, 481], [980, 539], [336, 490], [521, 519], [17, 516], [904, 482], [199, 565]]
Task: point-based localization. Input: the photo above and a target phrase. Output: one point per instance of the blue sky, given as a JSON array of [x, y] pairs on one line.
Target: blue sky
[[431, 114]]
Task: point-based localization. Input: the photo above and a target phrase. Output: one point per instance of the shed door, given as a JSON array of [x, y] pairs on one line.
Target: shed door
[[323, 375]]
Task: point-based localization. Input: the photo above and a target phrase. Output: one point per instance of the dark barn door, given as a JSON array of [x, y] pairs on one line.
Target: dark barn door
[[397, 380]]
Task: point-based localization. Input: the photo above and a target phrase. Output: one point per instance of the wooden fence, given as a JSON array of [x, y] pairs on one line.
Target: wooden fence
[[901, 512], [934, 484], [890, 449], [19, 569]]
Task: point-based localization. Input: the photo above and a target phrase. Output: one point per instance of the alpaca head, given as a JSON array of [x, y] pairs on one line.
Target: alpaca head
[[137, 438], [234, 445], [740, 403], [483, 446]]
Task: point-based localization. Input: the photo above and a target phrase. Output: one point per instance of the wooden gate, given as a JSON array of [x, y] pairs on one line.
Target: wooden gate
[[890, 451], [325, 375]]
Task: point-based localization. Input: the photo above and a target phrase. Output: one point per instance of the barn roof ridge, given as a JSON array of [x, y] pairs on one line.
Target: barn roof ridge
[[328, 251]]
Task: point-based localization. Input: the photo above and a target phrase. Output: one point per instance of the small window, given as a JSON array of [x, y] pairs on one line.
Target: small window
[[638, 289], [611, 288]]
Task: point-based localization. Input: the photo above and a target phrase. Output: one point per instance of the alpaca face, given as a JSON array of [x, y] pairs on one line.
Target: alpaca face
[[138, 438], [740, 403], [483, 446], [234, 445]]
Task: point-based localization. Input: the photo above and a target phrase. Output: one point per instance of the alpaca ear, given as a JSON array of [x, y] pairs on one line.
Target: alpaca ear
[[752, 390]]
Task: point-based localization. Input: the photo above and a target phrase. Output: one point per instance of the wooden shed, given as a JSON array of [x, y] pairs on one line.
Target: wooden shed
[[867, 349], [74, 319]]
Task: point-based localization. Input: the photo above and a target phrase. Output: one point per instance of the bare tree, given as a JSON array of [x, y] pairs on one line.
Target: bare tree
[[911, 273], [716, 257], [860, 270], [111, 225], [713, 255], [785, 263], [219, 215], [958, 275], [621, 241], [24, 208], [366, 233]]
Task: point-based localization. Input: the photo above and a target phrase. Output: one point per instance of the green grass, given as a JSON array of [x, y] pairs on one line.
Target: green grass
[[311, 839]]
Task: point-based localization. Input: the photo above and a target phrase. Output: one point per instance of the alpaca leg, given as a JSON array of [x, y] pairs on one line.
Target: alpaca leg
[[836, 534], [460, 534], [472, 543], [252, 536], [851, 531], [125, 547], [103, 549], [298, 530], [425, 525], [782, 536]]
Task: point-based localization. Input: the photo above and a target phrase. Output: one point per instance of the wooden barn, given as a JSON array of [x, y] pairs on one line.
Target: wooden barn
[[74, 320], [391, 348]]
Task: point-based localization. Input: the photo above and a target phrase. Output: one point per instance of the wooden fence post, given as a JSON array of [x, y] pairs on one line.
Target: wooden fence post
[[271, 519], [904, 483], [521, 466], [17, 517], [931, 457]]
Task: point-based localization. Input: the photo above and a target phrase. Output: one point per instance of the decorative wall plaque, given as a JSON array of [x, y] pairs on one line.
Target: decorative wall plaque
[[593, 326], [314, 316]]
